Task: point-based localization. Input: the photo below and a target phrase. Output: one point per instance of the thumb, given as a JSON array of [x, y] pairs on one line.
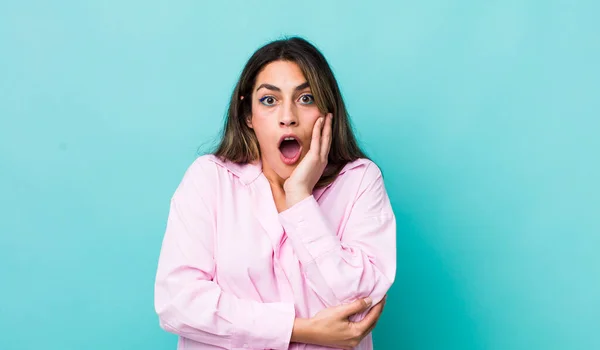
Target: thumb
[[356, 306]]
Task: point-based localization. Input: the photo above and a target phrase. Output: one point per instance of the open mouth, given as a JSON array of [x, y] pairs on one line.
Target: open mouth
[[290, 149]]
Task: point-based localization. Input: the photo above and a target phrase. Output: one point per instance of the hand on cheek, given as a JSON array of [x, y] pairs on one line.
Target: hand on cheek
[[308, 172]]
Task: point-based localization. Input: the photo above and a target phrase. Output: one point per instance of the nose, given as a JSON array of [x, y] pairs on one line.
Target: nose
[[288, 117]]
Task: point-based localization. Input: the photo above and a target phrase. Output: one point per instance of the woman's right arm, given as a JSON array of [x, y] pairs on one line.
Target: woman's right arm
[[187, 300], [191, 305]]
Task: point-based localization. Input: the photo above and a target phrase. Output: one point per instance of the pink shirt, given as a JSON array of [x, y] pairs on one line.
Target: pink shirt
[[234, 273]]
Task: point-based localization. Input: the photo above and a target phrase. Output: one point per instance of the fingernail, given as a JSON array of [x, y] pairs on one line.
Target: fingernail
[[369, 301]]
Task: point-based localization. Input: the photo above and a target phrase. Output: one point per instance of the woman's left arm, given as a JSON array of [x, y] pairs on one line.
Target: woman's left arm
[[357, 262]]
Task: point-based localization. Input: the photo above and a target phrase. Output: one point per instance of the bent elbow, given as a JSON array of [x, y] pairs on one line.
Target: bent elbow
[[165, 319], [163, 306]]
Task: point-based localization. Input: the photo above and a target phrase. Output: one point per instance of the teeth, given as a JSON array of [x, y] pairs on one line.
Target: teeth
[[289, 139]]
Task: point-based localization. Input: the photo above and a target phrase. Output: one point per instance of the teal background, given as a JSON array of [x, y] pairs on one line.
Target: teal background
[[482, 115]]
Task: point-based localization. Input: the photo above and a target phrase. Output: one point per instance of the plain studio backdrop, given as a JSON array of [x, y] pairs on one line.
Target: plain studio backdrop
[[482, 115]]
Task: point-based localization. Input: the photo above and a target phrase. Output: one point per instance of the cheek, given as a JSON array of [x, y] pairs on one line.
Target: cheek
[[259, 115], [263, 128], [309, 115], [308, 118]]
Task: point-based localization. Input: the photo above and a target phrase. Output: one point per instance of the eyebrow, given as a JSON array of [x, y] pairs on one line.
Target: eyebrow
[[275, 88]]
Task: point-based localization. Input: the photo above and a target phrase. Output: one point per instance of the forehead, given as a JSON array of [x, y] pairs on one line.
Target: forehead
[[283, 74]]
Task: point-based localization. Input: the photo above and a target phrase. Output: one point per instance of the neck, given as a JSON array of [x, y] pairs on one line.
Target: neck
[[276, 183], [275, 180]]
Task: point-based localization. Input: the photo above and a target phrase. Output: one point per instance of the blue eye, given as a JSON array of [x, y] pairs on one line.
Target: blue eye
[[307, 99], [267, 100]]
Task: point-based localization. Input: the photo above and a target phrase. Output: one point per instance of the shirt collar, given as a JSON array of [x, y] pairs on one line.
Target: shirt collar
[[247, 172]]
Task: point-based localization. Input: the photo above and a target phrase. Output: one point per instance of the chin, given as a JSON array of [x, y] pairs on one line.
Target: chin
[[285, 171], [280, 168]]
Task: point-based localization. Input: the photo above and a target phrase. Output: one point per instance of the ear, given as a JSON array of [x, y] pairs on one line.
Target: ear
[[249, 121]]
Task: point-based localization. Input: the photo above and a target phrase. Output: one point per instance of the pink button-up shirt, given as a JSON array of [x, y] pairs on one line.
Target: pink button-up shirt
[[233, 273]]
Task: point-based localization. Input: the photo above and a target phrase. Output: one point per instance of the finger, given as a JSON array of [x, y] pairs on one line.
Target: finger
[[355, 307], [326, 136], [316, 136], [378, 317], [371, 328], [371, 317]]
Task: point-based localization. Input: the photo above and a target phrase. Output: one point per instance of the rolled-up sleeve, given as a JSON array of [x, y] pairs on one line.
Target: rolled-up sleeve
[[187, 300], [360, 259]]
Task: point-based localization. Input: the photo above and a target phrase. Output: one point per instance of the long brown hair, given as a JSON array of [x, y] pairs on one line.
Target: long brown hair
[[239, 143]]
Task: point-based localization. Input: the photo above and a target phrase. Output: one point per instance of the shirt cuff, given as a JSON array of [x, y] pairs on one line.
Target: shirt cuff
[[270, 327], [307, 228]]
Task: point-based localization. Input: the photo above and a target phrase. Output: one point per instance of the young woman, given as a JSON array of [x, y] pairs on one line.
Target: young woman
[[284, 238]]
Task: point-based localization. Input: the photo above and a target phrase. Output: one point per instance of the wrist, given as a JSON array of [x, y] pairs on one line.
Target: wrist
[[291, 198], [303, 331]]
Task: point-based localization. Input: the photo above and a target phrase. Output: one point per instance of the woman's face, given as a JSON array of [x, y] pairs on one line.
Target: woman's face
[[283, 116]]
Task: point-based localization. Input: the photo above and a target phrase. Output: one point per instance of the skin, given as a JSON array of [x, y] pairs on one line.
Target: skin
[[331, 327], [282, 103]]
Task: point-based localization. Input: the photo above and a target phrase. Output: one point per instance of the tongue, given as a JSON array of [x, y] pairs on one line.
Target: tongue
[[289, 149]]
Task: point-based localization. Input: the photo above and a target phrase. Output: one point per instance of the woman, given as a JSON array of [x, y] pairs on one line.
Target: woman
[[284, 237]]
